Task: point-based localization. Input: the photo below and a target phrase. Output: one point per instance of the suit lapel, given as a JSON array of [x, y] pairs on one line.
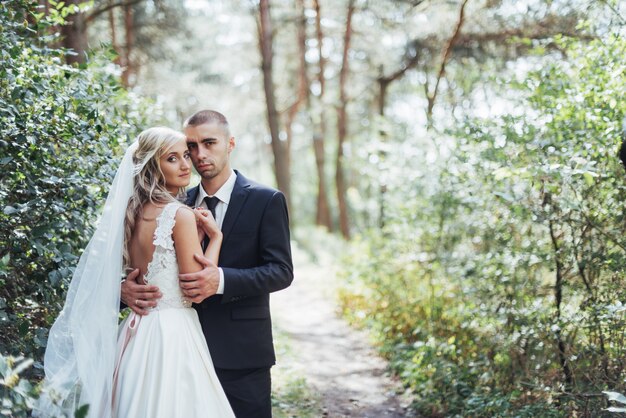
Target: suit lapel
[[237, 200], [192, 194]]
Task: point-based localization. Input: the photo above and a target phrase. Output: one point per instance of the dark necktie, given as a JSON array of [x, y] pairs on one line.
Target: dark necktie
[[211, 203]]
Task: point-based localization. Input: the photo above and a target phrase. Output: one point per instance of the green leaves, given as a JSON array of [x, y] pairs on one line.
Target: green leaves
[[17, 394], [616, 397], [496, 288], [82, 412], [62, 131]]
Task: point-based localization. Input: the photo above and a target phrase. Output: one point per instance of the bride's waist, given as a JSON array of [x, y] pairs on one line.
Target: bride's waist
[[173, 302]]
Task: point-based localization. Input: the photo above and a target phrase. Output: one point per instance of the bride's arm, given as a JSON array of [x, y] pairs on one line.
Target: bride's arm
[[186, 244], [185, 241]]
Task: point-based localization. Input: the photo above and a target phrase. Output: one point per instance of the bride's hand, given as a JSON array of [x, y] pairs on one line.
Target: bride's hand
[[205, 220]]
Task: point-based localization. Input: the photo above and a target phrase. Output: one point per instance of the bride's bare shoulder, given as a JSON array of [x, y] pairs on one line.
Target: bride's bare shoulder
[[184, 215]]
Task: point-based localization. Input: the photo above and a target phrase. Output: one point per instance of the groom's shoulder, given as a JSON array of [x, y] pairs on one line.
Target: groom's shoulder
[[193, 190], [190, 195], [259, 189], [255, 185]]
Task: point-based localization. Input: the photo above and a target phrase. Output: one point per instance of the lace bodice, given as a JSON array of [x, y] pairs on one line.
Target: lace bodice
[[162, 270]]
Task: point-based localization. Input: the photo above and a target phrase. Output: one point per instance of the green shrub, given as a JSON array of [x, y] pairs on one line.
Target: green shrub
[[496, 287], [61, 132], [18, 396]]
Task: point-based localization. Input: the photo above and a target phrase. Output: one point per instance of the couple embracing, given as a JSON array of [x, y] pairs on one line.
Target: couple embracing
[[198, 342]]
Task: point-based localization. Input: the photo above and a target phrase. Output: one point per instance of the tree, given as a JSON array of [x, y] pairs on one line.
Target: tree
[[342, 126], [280, 147], [74, 33], [322, 212], [75, 18]]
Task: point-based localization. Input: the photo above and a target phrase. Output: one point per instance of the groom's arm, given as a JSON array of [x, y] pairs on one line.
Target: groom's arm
[[137, 296], [275, 270]]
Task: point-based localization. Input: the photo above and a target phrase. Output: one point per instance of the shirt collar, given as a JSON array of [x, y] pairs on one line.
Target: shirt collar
[[223, 193]]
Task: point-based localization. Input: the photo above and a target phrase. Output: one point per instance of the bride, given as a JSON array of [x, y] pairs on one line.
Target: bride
[[153, 366]]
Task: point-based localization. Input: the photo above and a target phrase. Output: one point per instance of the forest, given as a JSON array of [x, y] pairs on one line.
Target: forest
[[462, 154]]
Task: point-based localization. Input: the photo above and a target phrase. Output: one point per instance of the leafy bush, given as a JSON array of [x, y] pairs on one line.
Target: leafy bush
[[17, 395], [61, 129], [496, 288]]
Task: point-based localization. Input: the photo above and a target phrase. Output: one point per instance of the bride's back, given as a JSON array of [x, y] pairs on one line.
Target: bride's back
[[141, 245]]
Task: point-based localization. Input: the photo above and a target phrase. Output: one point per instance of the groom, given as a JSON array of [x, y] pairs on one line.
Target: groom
[[232, 299]]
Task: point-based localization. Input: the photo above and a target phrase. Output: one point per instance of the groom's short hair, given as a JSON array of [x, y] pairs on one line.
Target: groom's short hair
[[203, 117]]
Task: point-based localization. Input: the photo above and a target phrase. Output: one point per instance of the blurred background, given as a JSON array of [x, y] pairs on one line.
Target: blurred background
[[455, 160]]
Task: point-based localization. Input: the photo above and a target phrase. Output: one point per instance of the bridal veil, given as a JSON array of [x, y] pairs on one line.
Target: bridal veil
[[80, 355]]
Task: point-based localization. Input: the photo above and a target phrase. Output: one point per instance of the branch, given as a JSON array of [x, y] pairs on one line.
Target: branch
[[97, 12], [448, 50], [408, 64], [615, 11], [384, 81], [513, 37]]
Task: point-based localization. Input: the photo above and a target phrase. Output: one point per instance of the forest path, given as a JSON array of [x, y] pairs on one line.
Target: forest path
[[341, 368]]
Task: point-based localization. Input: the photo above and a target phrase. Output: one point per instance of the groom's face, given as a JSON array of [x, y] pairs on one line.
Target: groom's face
[[210, 147]]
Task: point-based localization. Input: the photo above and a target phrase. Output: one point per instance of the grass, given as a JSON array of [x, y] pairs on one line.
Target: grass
[[292, 397]]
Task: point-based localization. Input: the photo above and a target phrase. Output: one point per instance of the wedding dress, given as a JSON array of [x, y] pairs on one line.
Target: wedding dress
[[164, 367]]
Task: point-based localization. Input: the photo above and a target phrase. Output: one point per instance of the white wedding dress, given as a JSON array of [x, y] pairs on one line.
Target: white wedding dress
[[164, 368]]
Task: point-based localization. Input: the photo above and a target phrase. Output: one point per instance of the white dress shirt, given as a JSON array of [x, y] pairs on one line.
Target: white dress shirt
[[223, 194]]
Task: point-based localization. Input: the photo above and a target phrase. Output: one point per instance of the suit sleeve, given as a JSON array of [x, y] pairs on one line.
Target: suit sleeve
[[275, 270]]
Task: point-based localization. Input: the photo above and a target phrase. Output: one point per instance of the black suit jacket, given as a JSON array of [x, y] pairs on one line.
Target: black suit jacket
[[256, 260]]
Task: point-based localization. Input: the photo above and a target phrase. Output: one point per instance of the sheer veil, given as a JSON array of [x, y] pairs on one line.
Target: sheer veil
[[80, 355]]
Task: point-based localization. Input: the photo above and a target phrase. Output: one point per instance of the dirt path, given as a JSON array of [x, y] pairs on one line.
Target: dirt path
[[337, 361]]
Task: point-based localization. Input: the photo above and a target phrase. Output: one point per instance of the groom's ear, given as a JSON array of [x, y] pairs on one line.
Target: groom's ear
[[231, 144]]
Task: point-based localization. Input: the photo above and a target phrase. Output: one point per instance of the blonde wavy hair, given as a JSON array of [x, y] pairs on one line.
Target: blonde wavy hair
[[148, 179]]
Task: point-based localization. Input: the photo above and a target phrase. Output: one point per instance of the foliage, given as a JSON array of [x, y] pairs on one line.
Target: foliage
[[496, 288], [62, 131], [617, 397], [17, 395]]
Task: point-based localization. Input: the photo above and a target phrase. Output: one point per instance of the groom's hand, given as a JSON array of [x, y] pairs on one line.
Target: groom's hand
[[200, 285], [138, 296]]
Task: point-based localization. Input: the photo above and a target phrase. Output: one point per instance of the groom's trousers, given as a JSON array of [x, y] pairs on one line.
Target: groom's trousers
[[249, 391]]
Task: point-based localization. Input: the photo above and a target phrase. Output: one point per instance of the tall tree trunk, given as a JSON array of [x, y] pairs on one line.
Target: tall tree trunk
[[342, 128], [586, 273], [322, 215], [280, 148], [114, 41], [74, 34], [384, 81], [560, 272], [302, 94], [383, 84], [128, 70]]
